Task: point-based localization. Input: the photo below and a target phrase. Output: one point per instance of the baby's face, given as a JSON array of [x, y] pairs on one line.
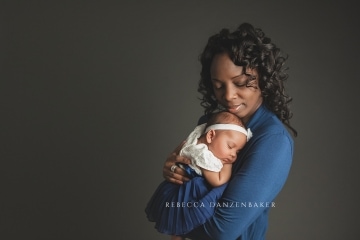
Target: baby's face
[[226, 144]]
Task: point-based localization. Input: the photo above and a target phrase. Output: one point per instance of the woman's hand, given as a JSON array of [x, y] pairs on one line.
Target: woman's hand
[[177, 174]]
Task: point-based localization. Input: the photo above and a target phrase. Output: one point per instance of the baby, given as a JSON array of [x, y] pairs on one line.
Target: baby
[[212, 148], [213, 145]]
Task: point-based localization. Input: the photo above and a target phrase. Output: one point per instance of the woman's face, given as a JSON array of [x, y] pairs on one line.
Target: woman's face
[[229, 84]]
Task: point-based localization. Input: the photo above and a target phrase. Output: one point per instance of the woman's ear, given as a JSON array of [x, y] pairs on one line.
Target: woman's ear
[[210, 136]]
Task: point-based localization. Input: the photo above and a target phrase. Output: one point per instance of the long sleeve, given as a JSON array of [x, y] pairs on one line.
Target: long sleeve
[[258, 176]]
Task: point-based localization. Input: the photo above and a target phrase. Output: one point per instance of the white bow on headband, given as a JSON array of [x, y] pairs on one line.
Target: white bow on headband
[[234, 127]]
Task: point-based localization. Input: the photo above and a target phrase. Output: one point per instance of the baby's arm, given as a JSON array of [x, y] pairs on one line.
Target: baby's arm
[[216, 179]]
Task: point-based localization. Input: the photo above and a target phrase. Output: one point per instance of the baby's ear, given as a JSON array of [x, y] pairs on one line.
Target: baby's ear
[[210, 136]]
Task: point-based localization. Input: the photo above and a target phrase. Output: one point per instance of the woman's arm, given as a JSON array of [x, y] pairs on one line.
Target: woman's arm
[[216, 179], [257, 178]]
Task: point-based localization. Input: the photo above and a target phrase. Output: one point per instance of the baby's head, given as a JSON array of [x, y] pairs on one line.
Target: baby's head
[[224, 118], [225, 135]]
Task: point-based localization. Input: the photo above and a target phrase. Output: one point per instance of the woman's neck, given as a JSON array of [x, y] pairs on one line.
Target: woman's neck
[[247, 117]]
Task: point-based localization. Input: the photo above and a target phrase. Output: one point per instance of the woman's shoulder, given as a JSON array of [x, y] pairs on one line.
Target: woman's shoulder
[[267, 123], [269, 135], [273, 126]]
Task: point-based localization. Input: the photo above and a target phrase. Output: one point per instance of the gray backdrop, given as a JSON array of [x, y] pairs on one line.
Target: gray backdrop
[[96, 94]]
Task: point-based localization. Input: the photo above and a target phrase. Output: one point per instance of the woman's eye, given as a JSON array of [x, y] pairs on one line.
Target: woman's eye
[[240, 84]]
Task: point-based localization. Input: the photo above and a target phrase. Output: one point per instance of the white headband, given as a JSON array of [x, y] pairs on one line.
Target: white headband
[[234, 127]]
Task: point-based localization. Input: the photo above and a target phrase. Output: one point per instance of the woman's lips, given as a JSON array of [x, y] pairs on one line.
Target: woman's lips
[[235, 108]]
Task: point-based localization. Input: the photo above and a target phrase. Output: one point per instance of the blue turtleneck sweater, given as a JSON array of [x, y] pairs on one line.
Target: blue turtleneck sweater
[[259, 174]]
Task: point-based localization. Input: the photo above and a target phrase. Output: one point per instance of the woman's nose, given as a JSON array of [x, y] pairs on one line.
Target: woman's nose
[[230, 93]]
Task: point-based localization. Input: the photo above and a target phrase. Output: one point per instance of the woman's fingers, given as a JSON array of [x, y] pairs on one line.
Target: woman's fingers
[[177, 176], [171, 171], [173, 158]]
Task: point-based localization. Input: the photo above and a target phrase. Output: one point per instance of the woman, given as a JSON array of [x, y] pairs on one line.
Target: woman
[[243, 72]]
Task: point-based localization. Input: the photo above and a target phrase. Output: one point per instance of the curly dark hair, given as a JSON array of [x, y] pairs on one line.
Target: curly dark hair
[[250, 48]]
